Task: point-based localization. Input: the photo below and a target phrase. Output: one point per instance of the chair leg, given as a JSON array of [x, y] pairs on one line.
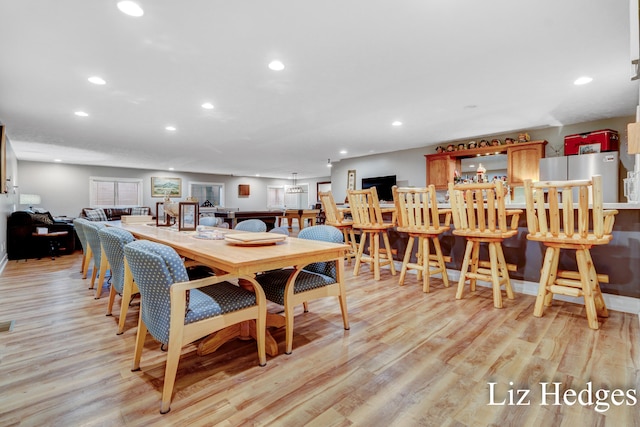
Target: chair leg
[[94, 274], [104, 266], [588, 284], [87, 260], [406, 259], [112, 298], [547, 277], [363, 241], [495, 276], [601, 306], [261, 327], [420, 259], [441, 263], [84, 259], [475, 258], [464, 268], [288, 314], [504, 272], [354, 245], [375, 252], [426, 273], [387, 245], [173, 357]]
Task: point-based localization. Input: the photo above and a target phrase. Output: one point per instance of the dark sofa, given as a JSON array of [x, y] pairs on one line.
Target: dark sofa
[[21, 244], [112, 214]]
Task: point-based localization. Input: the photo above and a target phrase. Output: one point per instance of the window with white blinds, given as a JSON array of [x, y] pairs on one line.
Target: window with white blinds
[[275, 197], [114, 192]]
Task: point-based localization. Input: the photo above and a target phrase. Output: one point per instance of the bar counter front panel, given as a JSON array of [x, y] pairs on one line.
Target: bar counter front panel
[[620, 259]]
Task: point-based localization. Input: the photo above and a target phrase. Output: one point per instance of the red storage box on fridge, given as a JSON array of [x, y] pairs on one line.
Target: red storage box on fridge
[[591, 142]]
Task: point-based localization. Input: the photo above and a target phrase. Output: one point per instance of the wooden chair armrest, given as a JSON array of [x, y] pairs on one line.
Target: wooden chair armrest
[[515, 217], [207, 281], [609, 219], [447, 216]]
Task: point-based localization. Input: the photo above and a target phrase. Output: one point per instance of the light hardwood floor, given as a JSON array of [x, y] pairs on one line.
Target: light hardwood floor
[[410, 359]]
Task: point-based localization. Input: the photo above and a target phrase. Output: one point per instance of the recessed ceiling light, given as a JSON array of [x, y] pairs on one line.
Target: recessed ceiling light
[[57, 160], [207, 106], [396, 123], [81, 114], [343, 151], [582, 80], [97, 80], [171, 128], [257, 174], [276, 65], [171, 169], [130, 8]]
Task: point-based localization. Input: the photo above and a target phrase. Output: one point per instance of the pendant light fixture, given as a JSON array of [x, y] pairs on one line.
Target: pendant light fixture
[[295, 188]]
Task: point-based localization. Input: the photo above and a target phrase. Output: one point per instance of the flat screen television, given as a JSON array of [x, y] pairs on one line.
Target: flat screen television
[[383, 186]]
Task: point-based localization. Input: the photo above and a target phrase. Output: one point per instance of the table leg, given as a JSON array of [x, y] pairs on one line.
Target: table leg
[[244, 331]]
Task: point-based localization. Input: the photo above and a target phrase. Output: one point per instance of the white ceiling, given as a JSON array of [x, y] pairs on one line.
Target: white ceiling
[[448, 69]]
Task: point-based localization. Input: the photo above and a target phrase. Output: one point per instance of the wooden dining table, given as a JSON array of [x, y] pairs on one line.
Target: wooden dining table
[[241, 259]]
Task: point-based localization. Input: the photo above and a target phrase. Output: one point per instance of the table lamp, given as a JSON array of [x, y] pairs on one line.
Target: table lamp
[[30, 199]]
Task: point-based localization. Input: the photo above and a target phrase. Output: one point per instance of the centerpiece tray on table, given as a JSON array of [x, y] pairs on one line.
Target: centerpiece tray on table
[[254, 239]]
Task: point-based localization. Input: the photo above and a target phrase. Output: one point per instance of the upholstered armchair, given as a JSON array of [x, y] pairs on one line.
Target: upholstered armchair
[[93, 240], [289, 287], [113, 242], [176, 311], [78, 225]]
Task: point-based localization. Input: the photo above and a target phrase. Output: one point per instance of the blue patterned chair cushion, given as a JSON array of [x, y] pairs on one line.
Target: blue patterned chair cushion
[[273, 283], [155, 267], [113, 241], [96, 215]]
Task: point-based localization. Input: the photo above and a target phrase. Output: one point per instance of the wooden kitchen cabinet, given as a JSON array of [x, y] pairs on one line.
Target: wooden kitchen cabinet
[[523, 161], [440, 170]]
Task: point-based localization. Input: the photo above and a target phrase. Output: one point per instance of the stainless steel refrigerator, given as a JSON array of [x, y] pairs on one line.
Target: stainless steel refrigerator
[[584, 166]]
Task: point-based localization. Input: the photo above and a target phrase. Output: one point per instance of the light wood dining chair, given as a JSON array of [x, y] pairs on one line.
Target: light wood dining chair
[[560, 222], [113, 241], [479, 215], [418, 216], [99, 262], [335, 218], [367, 218], [290, 288], [177, 311]]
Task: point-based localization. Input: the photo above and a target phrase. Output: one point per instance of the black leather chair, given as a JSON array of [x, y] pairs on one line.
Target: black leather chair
[[21, 244]]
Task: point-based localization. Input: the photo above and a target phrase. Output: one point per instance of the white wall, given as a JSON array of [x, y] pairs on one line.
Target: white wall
[[64, 188]]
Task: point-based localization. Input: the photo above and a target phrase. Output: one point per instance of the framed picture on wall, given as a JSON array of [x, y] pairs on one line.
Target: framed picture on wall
[[351, 180], [161, 187], [243, 190]]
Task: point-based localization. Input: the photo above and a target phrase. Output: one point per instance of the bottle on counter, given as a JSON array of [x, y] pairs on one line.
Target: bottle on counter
[[481, 174]]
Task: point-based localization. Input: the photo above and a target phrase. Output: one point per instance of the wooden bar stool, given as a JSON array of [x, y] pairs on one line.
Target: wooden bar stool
[[367, 217], [480, 216], [418, 216], [562, 225], [336, 218]]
